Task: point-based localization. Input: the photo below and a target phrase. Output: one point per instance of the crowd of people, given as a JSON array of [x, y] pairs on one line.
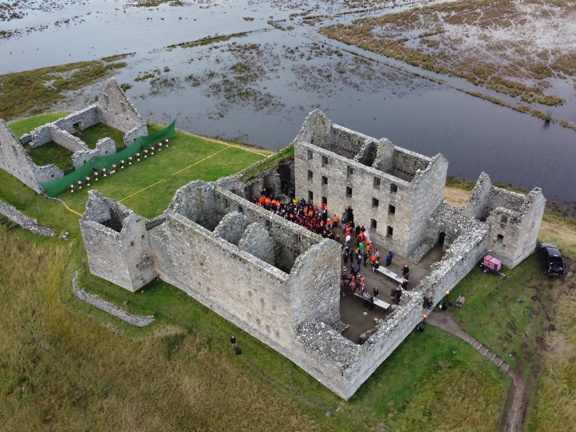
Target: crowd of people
[[355, 253]]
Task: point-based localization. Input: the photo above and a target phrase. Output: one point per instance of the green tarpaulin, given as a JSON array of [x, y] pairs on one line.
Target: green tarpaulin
[[55, 187]]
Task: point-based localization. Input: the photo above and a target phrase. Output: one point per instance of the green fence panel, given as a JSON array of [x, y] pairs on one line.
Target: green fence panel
[[55, 187]]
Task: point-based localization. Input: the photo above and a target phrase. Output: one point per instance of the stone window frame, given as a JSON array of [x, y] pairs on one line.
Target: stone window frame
[[310, 196], [389, 231], [324, 200], [324, 181], [310, 175], [376, 183], [324, 160], [348, 192], [373, 224], [391, 209], [349, 171], [375, 202], [310, 155], [393, 188]]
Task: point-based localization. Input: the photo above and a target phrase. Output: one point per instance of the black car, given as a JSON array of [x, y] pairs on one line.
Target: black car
[[551, 260]]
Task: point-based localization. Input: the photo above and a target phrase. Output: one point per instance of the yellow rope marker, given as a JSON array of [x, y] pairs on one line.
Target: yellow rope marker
[[72, 211], [200, 161], [142, 190], [241, 147]]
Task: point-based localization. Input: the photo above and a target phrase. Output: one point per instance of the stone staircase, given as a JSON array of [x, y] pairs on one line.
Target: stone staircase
[[420, 252]]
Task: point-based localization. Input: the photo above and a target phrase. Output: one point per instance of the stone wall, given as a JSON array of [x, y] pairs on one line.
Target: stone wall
[[24, 221], [14, 159], [116, 110], [47, 173], [117, 243], [104, 147], [514, 219], [390, 191], [464, 253]]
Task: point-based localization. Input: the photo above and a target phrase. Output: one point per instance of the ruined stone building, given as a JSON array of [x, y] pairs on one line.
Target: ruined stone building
[[280, 282], [113, 108], [272, 278]]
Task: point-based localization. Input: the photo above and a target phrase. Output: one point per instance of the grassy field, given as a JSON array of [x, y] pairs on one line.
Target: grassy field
[[69, 366]]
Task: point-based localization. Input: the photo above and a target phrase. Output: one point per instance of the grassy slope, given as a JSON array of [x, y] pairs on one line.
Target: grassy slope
[[69, 366]]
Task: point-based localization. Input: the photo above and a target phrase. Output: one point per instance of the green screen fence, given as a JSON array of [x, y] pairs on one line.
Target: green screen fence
[[97, 163]]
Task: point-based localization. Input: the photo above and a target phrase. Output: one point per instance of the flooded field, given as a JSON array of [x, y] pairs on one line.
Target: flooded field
[[251, 70]]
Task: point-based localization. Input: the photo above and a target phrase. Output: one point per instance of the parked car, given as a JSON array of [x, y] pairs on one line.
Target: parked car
[[552, 260]]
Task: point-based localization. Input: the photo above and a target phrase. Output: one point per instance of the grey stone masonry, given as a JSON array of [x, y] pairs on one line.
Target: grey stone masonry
[[514, 219], [14, 159], [24, 221], [117, 243], [389, 190], [112, 309], [113, 109]]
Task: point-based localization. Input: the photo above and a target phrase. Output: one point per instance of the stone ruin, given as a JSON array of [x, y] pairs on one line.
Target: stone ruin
[[112, 108], [280, 282]]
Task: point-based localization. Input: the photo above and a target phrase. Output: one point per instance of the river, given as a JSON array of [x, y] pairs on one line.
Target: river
[[259, 85]]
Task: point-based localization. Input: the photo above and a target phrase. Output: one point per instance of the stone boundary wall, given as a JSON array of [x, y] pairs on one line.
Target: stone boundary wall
[[100, 303], [24, 221], [104, 147]]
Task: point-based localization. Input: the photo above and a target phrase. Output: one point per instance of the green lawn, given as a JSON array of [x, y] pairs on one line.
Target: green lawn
[[506, 315]]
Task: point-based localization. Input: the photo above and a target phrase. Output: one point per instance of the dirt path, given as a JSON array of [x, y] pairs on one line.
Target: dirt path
[[514, 416]]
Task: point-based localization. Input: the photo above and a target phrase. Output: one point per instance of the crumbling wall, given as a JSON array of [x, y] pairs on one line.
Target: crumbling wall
[[257, 241], [463, 254], [117, 243], [47, 173], [427, 194], [315, 284], [61, 137], [223, 277], [71, 124], [316, 129], [104, 147], [514, 234], [343, 366], [116, 110], [14, 159]]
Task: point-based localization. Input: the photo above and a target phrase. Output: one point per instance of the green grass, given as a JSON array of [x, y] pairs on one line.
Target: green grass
[[507, 315], [21, 127], [52, 153], [36, 91], [94, 133], [416, 387]]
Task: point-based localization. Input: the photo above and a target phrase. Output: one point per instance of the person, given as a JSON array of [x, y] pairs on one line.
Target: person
[[376, 265], [389, 257], [376, 293], [398, 293], [371, 302], [365, 259], [233, 340], [406, 271], [366, 299], [404, 284], [460, 300]]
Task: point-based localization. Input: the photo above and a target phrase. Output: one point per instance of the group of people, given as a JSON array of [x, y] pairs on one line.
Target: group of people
[[355, 283], [306, 214], [316, 219]]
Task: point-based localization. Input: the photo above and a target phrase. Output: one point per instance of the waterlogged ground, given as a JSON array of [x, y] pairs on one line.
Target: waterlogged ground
[[251, 70]]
